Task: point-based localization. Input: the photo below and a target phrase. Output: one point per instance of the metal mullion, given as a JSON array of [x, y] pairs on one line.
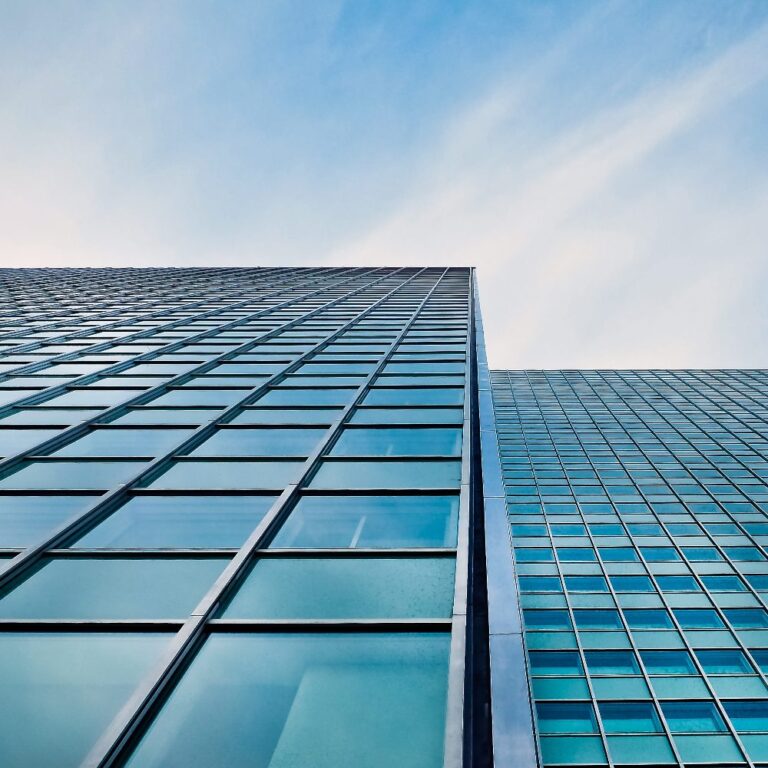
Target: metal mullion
[[66, 435], [453, 745], [113, 741], [691, 652], [109, 500], [612, 591], [30, 368]]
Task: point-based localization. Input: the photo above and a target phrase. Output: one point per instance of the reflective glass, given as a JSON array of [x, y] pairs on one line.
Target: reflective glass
[[179, 522], [345, 587], [271, 700], [111, 588], [25, 519], [371, 521], [61, 690]]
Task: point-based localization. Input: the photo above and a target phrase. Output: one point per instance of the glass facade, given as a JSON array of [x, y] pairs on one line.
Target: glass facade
[[637, 509], [289, 518], [234, 515]]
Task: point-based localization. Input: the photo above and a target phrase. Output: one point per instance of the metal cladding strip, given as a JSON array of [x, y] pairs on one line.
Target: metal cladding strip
[[11, 568], [113, 304], [453, 745], [66, 435], [512, 722], [126, 724], [37, 365]]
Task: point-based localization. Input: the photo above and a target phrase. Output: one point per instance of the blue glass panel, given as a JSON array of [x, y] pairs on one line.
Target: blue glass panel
[[61, 690], [345, 587], [25, 519], [692, 717], [111, 588], [629, 717], [371, 521], [566, 717], [179, 522], [270, 700]]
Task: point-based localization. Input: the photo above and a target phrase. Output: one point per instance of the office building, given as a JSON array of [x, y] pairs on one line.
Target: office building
[[288, 518]]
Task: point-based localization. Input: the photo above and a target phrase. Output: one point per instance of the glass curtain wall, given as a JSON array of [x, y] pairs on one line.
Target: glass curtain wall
[[638, 514], [231, 508]]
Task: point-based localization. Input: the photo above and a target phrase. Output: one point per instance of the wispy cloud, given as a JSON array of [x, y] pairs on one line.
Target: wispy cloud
[[602, 163]]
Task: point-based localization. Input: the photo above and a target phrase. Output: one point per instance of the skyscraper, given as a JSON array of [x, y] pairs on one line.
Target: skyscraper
[[287, 517], [637, 512]]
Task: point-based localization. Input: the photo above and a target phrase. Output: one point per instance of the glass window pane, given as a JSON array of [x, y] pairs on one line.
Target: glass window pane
[[92, 475], [111, 588], [692, 717], [125, 442], [439, 441], [629, 717], [13, 441], [182, 522], [259, 701], [567, 717], [225, 475], [388, 474], [25, 519], [748, 715], [61, 690], [668, 662], [260, 442], [371, 521], [443, 396], [345, 587]]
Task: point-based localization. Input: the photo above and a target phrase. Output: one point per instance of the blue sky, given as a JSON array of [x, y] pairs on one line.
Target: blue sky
[[603, 164]]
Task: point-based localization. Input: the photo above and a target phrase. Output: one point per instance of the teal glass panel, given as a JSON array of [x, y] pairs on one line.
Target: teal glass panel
[[224, 475], [648, 619], [260, 442], [147, 416], [622, 688], [586, 583], [91, 475], [723, 662], [302, 397], [388, 474], [612, 663], [537, 619], [179, 522], [402, 441], [442, 396], [746, 618], [555, 663], [326, 700], [540, 584], [629, 717], [188, 397], [668, 662], [63, 416], [61, 690], [566, 717], [698, 618], [678, 584], [761, 658], [25, 519], [287, 416], [345, 587], [692, 717], [632, 584], [534, 555], [125, 442], [597, 619], [641, 750], [408, 416], [111, 588], [13, 441], [748, 715], [710, 750], [370, 521], [573, 750]]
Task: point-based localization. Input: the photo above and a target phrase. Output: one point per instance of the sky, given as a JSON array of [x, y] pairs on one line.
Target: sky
[[604, 165]]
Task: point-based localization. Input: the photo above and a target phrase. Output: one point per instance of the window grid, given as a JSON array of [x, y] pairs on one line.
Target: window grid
[[593, 443], [418, 324]]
